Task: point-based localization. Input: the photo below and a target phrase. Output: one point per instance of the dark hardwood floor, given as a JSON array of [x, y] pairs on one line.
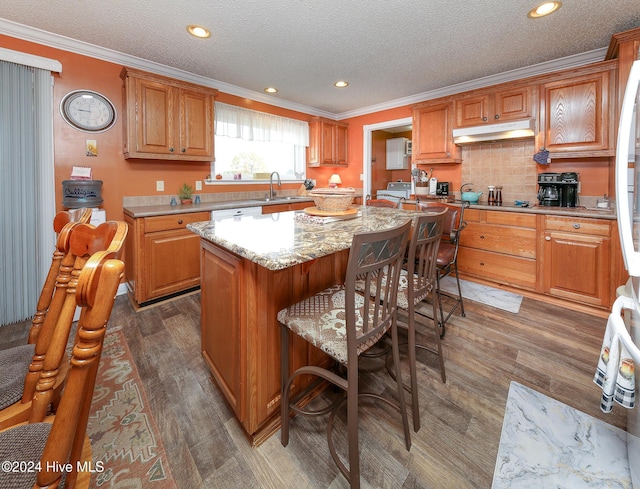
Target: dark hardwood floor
[[549, 348]]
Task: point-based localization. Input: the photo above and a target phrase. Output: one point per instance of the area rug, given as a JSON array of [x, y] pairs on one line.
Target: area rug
[[124, 436], [501, 299], [545, 443]]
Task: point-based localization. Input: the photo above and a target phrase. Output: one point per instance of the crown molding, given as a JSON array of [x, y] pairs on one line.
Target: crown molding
[[39, 36], [559, 64]]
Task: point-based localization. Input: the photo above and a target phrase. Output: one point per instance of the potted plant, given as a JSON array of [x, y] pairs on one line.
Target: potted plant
[[185, 193]]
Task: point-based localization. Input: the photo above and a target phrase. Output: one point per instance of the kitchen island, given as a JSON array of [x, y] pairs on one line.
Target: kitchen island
[[251, 267]]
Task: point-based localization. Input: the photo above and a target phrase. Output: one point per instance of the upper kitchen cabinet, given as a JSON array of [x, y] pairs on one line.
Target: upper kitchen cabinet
[[576, 112], [505, 105], [432, 134], [327, 143], [166, 119]]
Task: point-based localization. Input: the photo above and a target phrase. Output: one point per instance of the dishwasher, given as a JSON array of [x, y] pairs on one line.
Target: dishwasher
[[240, 212]]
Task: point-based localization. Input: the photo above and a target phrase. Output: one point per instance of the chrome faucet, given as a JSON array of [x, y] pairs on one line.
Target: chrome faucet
[[271, 183]]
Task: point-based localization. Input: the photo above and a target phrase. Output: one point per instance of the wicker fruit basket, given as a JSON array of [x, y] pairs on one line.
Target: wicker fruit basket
[[332, 199]]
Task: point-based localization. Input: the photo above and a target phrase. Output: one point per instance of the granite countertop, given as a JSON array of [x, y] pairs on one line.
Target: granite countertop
[[590, 212], [278, 241], [165, 209]]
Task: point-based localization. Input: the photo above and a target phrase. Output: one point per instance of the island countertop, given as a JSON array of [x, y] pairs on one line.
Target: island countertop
[[279, 241]]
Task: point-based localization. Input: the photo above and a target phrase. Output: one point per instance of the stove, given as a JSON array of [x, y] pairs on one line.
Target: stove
[[395, 191]]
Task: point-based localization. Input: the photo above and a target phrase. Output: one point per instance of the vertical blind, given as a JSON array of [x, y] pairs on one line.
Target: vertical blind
[[27, 190]]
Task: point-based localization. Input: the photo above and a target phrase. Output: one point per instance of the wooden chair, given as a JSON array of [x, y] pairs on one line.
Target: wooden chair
[[46, 370], [62, 439], [344, 324], [82, 215], [380, 203], [454, 224]]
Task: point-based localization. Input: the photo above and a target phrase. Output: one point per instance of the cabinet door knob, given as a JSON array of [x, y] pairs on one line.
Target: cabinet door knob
[[170, 150], [481, 237], [179, 221], [184, 150], [497, 116], [484, 119], [547, 238], [576, 225]]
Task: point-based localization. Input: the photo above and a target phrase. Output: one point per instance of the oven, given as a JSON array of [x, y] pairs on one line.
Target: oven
[[395, 191]]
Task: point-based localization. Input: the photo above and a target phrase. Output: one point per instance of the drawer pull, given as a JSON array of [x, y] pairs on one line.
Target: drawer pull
[[179, 221], [576, 225], [547, 238], [481, 236], [481, 264]]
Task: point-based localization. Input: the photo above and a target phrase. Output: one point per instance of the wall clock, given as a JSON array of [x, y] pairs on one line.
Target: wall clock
[[88, 111]]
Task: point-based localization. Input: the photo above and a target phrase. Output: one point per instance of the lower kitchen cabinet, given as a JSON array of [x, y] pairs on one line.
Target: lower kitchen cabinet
[[577, 259], [500, 247], [240, 335], [162, 255], [296, 206]]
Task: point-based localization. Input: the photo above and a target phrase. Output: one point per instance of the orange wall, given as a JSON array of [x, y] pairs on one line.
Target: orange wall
[[137, 177], [120, 177]]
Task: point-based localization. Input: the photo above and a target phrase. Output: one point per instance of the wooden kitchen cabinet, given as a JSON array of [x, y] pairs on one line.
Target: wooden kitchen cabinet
[[505, 105], [162, 255], [432, 134], [577, 260], [328, 143], [166, 118], [500, 247], [295, 206], [240, 336], [577, 112]]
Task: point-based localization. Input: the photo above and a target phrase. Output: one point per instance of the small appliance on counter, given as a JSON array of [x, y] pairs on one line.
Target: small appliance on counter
[[558, 189], [442, 188]]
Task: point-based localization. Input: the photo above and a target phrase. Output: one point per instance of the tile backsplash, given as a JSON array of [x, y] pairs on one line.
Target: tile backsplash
[[508, 163]]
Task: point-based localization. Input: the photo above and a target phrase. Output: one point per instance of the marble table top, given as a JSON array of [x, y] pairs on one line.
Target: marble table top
[[282, 240]]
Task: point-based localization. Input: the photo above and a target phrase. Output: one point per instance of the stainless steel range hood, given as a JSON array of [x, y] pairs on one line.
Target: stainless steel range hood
[[495, 132]]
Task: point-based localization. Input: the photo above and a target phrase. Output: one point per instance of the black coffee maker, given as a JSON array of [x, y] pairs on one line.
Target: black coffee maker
[[558, 189], [569, 197]]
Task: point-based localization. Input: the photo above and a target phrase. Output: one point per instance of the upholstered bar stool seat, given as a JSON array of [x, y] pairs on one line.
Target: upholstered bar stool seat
[[14, 364]]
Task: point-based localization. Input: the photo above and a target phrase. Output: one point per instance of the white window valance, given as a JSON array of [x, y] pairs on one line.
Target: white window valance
[[252, 125]]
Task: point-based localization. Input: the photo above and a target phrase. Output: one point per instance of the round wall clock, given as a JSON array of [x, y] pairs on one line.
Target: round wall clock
[[88, 111]]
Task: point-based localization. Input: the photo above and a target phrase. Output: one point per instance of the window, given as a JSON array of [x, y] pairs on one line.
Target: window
[[249, 145]]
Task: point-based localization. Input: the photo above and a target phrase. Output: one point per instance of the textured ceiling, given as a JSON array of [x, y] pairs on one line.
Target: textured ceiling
[[387, 49]]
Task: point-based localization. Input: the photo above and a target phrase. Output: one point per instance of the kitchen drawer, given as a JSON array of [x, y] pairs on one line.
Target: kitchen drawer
[[523, 220], [501, 239], [594, 227], [496, 267], [173, 221]]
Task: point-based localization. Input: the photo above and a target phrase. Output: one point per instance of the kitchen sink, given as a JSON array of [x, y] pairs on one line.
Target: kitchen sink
[[291, 198]]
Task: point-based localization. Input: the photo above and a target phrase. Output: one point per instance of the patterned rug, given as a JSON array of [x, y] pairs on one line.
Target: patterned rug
[[124, 436]]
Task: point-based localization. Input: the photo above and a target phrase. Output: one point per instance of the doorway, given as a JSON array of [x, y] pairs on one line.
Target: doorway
[[397, 125]]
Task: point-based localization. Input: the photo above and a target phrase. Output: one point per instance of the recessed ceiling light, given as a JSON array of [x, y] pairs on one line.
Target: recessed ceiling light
[[341, 84], [543, 9], [198, 31], [271, 90]]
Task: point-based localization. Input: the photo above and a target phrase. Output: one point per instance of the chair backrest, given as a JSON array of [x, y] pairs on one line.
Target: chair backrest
[[422, 256], [62, 218], [95, 292], [371, 254], [83, 240]]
